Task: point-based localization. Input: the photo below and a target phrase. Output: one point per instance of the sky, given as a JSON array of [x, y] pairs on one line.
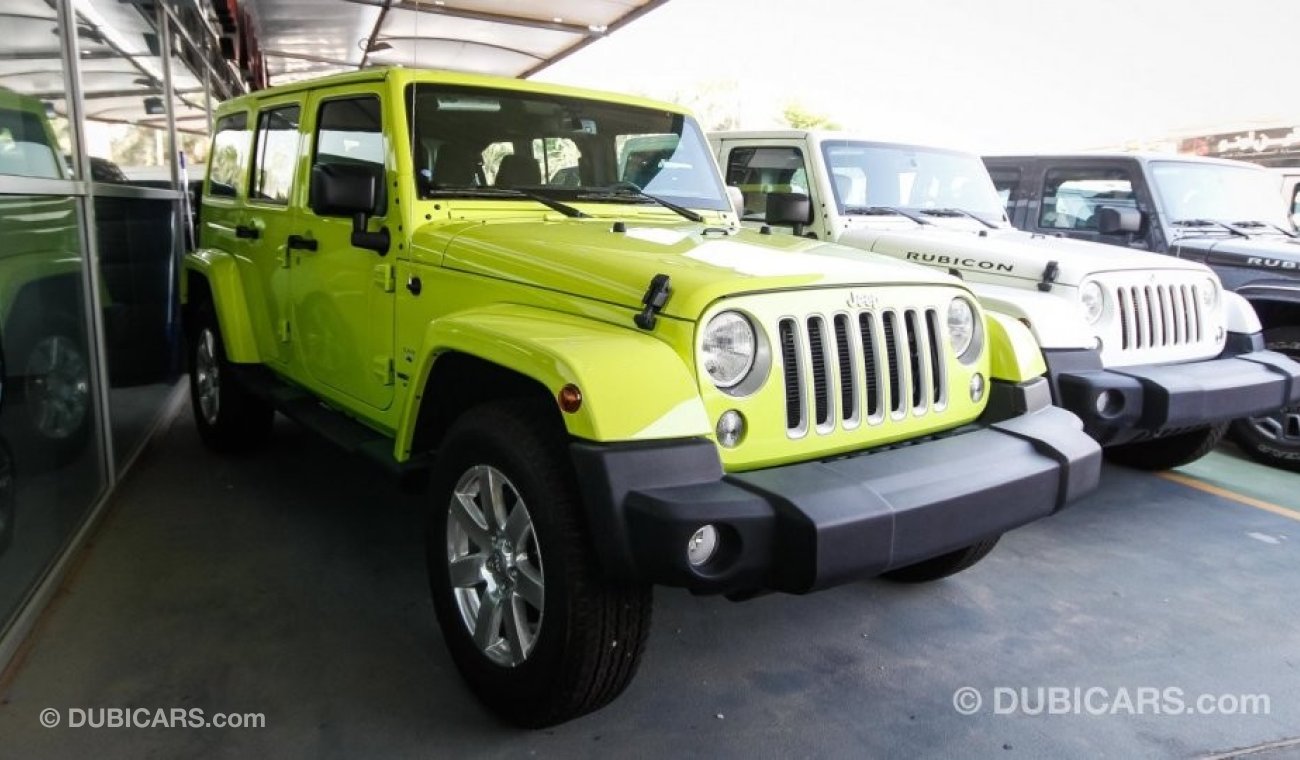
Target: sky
[[983, 75]]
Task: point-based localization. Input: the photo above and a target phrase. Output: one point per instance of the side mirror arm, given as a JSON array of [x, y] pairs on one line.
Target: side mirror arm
[[378, 242]]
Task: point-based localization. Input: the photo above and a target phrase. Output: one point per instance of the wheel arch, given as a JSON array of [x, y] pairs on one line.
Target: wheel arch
[[633, 386], [216, 274]]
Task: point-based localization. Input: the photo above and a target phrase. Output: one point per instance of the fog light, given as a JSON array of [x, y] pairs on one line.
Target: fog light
[[731, 428], [976, 387], [702, 546], [1109, 402]]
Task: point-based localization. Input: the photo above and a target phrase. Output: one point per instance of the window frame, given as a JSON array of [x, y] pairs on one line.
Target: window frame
[[255, 155], [324, 101], [1131, 175], [754, 149]]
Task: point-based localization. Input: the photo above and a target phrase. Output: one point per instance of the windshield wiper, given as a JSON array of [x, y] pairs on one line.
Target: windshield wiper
[[1208, 223], [498, 192], [885, 211], [630, 188], [959, 212], [1254, 224]]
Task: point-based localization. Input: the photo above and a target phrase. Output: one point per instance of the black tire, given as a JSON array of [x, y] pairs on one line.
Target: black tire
[[1168, 452], [590, 631], [49, 378], [238, 421], [943, 565], [1274, 439]]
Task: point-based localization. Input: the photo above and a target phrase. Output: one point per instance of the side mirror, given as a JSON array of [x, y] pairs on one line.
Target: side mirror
[[737, 199], [789, 210], [355, 190], [1112, 220]]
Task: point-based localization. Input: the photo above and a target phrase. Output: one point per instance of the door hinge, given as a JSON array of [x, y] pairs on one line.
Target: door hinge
[[386, 277], [284, 331], [382, 366]]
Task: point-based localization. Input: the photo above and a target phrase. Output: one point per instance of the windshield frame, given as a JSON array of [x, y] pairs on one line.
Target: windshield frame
[[1278, 216], [590, 194], [995, 215]]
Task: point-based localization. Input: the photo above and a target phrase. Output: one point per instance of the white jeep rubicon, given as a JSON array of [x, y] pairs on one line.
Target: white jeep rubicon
[[1150, 351]]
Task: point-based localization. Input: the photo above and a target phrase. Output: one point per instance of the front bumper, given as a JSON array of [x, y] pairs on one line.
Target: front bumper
[[807, 526], [1148, 401]]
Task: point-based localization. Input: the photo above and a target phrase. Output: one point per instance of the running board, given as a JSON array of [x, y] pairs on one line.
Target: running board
[[331, 424]]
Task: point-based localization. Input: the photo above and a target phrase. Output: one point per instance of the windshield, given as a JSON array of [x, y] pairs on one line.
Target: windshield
[[867, 175], [1218, 192], [484, 142]]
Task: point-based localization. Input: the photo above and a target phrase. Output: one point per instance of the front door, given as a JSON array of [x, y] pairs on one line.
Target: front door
[[343, 296], [1073, 191]]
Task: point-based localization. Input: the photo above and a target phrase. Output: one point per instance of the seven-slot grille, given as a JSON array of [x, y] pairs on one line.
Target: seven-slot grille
[[1154, 316], [845, 369]]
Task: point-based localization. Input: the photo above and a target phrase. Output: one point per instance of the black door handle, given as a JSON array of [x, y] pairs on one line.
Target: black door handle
[[245, 232], [301, 243]]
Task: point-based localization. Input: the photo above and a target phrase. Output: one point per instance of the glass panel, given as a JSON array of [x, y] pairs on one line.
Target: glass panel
[[1071, 197], [34, 135], [51, 462], [277, 155], [759, 171], [49, 456]]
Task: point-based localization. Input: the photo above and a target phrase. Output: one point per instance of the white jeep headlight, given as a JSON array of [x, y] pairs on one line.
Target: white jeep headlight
[[728, 348], [1209, 292], [1093, 299], [962, 328]]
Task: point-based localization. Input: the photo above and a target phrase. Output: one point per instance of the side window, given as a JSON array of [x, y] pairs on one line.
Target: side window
[[276, 155], [1295, 203], [26, 148], [229, 155], [351, 131], [759, 171], [1071, 197], [1005, 180]]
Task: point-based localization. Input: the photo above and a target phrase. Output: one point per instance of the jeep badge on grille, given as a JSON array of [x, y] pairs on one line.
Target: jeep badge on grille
[[861, 300]]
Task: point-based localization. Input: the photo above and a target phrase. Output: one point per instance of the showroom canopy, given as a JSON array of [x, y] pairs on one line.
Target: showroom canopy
[[307, 38]]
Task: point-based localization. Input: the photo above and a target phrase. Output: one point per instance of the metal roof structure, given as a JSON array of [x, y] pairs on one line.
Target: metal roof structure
[[307, 38]]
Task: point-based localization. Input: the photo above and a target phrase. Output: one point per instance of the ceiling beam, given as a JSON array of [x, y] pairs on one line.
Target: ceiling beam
[[374, 33], [580, 44], [306, 57], [495, 18]]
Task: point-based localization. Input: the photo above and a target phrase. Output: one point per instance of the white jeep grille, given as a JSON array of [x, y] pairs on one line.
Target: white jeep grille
[[844, 369], [1157, 320]]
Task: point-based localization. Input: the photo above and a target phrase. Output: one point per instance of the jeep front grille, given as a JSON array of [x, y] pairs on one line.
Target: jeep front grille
[[1155, 316], [848, 369]]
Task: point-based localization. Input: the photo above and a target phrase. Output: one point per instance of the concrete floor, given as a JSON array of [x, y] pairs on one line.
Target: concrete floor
[[291, 584]]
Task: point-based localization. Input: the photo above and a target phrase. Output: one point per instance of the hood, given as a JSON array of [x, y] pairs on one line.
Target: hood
[[1271, 252], [1009, 252], [586, 257]]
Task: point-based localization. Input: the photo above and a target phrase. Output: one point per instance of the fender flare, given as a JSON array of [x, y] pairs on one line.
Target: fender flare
[[1239, 315], [1014, 355], [221, 272], [634, 386]]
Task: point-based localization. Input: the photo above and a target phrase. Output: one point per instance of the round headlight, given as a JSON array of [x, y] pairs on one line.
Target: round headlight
[[728, 348], [961, 325], [1209, 291], [1093, 300]]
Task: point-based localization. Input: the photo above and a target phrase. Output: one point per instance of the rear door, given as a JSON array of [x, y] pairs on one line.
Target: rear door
[[343, 300], [270, 217]]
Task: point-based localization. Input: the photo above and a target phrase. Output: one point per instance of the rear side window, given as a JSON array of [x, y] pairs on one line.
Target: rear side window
[[229, 155], [759, 171], [276, 154], [1071, 197]]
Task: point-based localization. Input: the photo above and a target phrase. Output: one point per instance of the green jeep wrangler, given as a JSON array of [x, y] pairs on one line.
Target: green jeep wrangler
[[543, 295]]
